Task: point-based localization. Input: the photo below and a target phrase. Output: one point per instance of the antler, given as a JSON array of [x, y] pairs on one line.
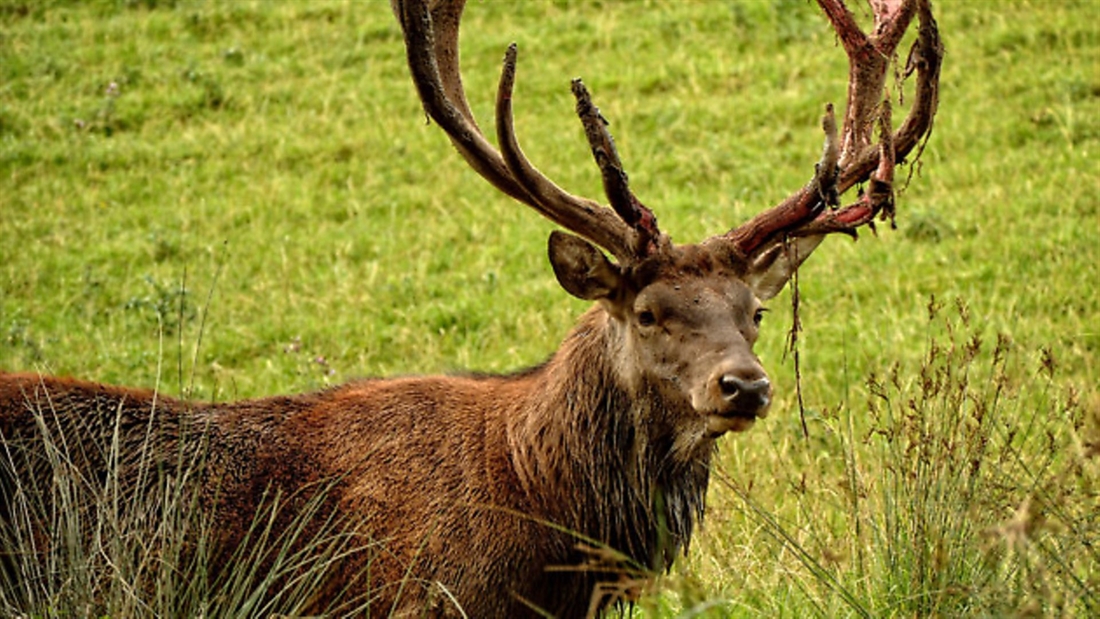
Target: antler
[[629, 232], [852, 158]]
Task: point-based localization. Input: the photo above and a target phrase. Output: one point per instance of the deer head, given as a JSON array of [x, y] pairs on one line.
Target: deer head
[[687, 316]]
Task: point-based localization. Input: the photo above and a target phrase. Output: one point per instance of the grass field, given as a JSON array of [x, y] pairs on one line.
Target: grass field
[[233, 199]]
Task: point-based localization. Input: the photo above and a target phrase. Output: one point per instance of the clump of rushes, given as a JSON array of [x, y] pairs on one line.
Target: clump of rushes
[[973, 492], [82, 546]]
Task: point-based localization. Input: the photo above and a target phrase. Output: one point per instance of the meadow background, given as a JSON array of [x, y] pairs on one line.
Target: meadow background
[[234, 199]]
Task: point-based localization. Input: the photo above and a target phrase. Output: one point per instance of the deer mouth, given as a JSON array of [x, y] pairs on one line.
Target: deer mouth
[[733, 421]]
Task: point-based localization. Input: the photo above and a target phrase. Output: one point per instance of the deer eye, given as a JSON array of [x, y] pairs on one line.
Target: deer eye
[[646, 318], [758, 317]]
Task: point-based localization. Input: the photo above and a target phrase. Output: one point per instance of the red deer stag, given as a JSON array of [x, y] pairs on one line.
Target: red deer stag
[[478, 491]]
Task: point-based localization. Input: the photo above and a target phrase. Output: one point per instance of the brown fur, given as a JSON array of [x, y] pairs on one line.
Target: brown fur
[[485, 485]]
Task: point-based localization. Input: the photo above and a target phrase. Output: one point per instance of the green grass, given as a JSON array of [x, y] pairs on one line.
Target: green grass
[[113, 550], [236, 199]]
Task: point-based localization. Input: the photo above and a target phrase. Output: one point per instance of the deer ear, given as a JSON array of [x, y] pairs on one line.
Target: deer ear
[[771, 267], [582, 269]]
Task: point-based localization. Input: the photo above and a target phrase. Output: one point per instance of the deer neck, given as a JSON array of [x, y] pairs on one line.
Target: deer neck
[[597, 452]]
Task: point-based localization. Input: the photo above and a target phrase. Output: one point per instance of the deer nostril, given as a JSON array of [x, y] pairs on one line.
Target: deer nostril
[[739, 390], [730, 385]]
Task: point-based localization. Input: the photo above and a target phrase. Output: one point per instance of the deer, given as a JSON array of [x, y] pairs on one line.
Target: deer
[[524, 494]]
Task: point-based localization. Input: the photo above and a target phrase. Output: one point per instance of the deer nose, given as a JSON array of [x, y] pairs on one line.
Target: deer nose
[[745, 396]]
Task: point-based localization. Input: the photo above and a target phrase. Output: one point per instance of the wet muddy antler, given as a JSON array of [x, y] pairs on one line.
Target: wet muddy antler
[[851, 157], [629, 231]]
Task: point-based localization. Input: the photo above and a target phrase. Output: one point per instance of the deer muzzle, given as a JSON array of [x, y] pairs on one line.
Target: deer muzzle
[[733, 400], [745, 397]]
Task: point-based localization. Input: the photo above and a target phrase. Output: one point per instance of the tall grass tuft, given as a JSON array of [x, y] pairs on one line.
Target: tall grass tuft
[[85, 543], [971, 490]]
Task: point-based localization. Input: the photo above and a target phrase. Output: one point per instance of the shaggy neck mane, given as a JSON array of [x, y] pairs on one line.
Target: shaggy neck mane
[[599, 458]]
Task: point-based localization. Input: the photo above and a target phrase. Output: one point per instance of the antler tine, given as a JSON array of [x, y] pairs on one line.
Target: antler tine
[[627, 236], [925, 59], [431, 40], [615, 182], [858, 160], [431, 44]]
